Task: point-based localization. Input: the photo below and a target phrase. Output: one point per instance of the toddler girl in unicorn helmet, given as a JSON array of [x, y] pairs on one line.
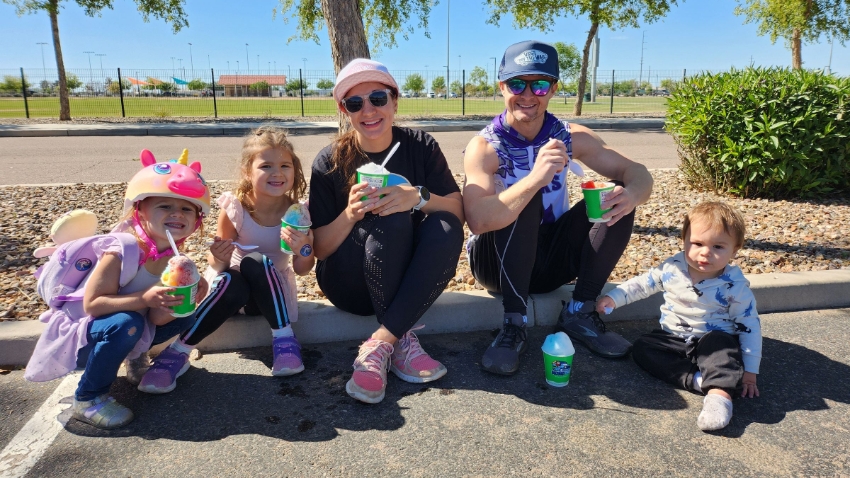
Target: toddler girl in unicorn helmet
[[260, 281], [125, 314]]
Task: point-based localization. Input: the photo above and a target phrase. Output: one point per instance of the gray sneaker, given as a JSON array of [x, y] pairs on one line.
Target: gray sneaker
[[137, 368], [502, 356], [587, 327]]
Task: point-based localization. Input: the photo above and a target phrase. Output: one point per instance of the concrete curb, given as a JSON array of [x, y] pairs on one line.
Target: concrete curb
[[468, 311], [294, 127]]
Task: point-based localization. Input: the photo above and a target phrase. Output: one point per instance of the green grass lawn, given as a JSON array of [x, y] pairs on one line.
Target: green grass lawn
[[313, 106]]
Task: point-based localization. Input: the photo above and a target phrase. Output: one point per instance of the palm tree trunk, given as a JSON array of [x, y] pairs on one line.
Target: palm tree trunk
[[347, 36], [64, 102], [582, 77]]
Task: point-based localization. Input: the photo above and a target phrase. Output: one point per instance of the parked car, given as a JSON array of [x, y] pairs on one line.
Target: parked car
[[405, 94], [430, 95]]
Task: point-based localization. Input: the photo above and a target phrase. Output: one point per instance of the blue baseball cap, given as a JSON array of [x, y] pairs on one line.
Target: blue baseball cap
[[529, 58]]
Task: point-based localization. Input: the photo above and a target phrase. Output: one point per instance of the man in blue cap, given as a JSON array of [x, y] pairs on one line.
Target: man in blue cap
[[526, 237]]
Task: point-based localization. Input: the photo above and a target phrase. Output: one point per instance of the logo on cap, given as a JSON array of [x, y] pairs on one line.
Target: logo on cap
[[531, 56]]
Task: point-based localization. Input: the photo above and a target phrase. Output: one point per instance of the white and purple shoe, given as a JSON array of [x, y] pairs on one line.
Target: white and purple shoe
[[287, 356]]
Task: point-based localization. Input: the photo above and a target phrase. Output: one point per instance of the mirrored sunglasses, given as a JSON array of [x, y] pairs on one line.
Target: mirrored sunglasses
[[378, 98], [538, 87]]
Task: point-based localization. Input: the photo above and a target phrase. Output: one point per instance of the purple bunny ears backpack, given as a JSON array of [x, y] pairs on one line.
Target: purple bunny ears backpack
[[62, 284], [63, 278]]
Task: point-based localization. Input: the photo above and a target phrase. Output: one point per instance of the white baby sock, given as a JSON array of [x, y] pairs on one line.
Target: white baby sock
[[698, 381], [716, 412]]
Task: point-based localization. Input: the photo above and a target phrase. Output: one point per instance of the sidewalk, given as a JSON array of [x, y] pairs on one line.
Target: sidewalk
[[294, 127], [457, 312]]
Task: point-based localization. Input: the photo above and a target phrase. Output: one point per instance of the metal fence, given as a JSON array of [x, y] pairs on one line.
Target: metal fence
[[182, 92]]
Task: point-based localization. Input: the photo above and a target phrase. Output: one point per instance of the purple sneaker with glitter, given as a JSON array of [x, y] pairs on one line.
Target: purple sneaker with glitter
[[287, 356], [162, 376]]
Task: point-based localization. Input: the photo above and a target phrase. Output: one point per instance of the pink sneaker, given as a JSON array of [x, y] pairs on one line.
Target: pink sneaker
[[369, 380], [412, 364]]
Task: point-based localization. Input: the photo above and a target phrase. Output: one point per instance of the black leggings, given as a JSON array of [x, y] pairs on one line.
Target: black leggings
[[257, 286], [540, 258], [389, 267], [716, 355]]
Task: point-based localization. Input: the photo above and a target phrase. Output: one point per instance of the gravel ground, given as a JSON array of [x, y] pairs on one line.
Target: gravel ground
[[783, 236]]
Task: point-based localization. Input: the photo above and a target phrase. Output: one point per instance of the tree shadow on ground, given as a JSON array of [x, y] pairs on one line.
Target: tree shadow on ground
[[313, 405]]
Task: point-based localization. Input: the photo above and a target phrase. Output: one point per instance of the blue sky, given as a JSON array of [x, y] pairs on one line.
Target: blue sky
[[698, 34]]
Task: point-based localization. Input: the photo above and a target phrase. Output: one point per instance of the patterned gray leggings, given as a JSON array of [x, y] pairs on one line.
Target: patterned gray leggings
[[394, 269]]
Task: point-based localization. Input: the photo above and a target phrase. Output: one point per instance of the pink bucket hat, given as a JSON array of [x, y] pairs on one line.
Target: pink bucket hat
[[361, 70]]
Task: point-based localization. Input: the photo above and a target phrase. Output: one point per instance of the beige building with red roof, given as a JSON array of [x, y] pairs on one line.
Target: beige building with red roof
[[237, 85]]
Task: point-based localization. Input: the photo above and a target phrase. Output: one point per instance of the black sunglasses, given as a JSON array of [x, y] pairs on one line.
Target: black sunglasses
[[538, 87], [378, 98]]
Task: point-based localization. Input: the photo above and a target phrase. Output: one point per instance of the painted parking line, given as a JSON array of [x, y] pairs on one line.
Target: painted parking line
[[27, 447]]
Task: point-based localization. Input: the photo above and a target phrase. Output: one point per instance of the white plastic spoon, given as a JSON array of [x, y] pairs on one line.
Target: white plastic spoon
[[390, 154], [244, 247]]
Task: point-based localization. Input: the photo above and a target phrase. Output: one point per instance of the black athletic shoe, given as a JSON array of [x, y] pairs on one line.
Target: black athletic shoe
[[587, 327], [502, 356]]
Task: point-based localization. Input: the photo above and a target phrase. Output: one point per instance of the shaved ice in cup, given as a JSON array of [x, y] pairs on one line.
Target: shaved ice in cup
[[594, 195], [182, 274], [298, 218], [374, 174]]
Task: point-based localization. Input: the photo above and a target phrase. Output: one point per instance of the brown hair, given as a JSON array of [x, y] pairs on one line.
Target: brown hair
[[717, 215], [257, 141], [347, 154]]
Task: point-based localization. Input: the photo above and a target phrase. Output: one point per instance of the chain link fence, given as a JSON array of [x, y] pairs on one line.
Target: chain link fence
[[183, 92]]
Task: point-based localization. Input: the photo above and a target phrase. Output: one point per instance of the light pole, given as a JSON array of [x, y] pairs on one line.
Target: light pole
[[43, 67], [495, 78], [305, 65], [228, 66], [247, 61], [191, 61], [642, 42], [448, 17], [237, 67], [91, 76]]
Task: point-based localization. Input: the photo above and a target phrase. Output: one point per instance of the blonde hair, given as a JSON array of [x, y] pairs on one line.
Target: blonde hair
[[257, 141], [717, 215]]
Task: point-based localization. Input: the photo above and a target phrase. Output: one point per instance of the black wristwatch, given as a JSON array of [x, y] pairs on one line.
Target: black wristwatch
[[424, 197]]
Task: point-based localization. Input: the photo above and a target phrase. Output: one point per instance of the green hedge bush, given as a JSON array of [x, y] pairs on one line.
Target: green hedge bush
[[763, 132]]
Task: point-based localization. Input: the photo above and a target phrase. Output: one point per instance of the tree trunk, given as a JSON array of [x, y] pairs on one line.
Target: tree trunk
[[582, 77], [796, 54], [796, 39], [64, 102], [347, 36]]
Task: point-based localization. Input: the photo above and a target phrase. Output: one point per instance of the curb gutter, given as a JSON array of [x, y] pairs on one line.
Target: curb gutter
[[455, 312]]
